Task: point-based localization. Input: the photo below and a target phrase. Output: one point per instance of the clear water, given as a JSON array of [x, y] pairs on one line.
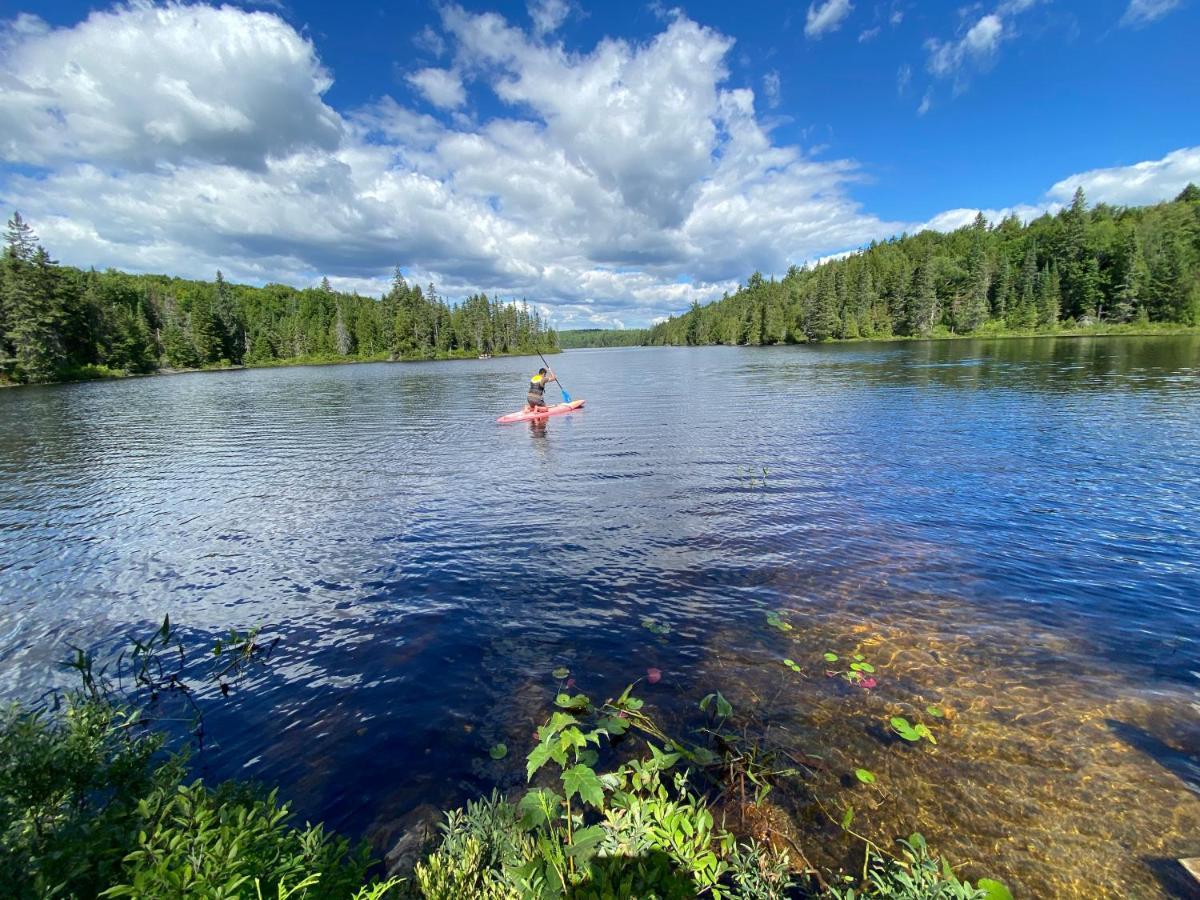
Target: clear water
[[1010, 529]]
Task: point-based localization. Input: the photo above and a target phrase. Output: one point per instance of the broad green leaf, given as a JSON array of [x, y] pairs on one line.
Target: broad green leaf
[[866, 776], [561, 673], [831, 657], [847, 817], [499, 751], [724, 709], [557, 722], [566, 701], [535, 804], [583, 781], [935, 711], [538, 757], [584, 842], [994, 890], [613, 725], [905, 729]]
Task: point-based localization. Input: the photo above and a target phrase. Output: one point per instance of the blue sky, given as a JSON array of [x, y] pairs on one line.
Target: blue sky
[[610, 162]]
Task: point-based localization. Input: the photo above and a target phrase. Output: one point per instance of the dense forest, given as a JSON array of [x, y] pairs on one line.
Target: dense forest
[[58, 322], [571, 339], [1079, 267]]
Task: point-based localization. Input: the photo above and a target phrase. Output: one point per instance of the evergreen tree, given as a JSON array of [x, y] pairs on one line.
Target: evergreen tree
[[922, 312], [975, 308], [1049, 300]]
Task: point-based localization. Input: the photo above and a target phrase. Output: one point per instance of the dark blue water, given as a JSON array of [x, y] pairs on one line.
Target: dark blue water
[[1024, 513]]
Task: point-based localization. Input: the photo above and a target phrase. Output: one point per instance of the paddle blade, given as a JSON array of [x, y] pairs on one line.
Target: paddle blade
[[566, 396]]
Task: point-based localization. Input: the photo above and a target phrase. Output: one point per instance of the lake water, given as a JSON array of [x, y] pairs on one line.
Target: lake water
[[1008, 529]]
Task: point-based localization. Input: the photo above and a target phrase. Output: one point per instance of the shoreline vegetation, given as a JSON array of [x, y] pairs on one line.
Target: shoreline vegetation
[[1083, 271], [59, 323], [587, 339], [97, 799]]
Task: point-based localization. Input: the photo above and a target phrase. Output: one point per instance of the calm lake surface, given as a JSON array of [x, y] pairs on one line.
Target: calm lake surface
[[1009, 529]]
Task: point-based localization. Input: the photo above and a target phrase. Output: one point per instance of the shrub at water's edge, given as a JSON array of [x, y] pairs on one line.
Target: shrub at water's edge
[[95, 802]]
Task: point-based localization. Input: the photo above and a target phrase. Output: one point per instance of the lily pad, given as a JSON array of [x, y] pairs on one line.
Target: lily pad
[[935, 711], [866, 776], [499, 751], [831, 657], [561, 672], [791, 664]]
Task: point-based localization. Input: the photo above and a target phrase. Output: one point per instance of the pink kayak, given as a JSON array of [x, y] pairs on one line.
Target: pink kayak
[[557, 410]]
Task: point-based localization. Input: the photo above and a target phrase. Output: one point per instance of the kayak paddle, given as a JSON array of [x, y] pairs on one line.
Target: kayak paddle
[[566, 396]]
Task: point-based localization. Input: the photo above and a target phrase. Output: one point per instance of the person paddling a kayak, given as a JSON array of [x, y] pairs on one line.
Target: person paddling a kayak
[[535, 400]]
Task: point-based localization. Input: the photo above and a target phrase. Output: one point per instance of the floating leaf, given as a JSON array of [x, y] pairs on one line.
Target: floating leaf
[[935, 711], [655, 627], [866, 776], [993, 890], [561, 672], [923, 731], [566, 701], [859, 657], [847, 817], [776, 620], [791, 664], [499, 751], [831, 657], [862, 667], [905, 729]]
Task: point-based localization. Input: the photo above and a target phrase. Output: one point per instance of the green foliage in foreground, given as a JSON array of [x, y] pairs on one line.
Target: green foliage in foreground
[[93, 804], [59, 323], [90, 806], [1107, 266]]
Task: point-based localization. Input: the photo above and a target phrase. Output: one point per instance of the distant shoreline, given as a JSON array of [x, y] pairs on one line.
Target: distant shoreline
[[1114, 330], [101, 373]]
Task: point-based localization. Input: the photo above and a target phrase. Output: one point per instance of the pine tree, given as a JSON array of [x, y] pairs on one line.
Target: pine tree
[[205, 335], [975, 309], [1002, 290], [33, 311], [1049, 300], [923, 313]]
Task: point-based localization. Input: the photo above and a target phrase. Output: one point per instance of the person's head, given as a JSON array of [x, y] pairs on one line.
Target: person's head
[[541, 371]]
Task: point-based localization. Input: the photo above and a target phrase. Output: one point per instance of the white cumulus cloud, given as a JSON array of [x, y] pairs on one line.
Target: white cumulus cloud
[[441, 87], [826, 17], [143, 85], [1143, 12], [548, 15]]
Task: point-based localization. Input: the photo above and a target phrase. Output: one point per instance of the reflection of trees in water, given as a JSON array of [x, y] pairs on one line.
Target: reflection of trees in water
[[1056, 365]]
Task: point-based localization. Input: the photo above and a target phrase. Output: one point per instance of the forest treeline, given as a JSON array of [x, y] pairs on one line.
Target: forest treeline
[[1082, 266], [575, 338], [59, 322]]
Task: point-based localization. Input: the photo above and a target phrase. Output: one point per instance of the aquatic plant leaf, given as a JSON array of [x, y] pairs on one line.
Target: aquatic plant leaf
[[905, 729], [993, 890], [561, 672], [656, 627], [866, 776], [923, 731], [566, 701], [582, 780], [936, 712], [791, 664], [614, 726], [862, 667], [831, 657], [499, 751], [847, 817]]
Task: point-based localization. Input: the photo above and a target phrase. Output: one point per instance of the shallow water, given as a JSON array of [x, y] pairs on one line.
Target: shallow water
[[1008, 529]]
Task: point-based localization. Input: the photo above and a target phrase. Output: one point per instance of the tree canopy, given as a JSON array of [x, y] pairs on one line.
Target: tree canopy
[[1104, 264], [60, 322]]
